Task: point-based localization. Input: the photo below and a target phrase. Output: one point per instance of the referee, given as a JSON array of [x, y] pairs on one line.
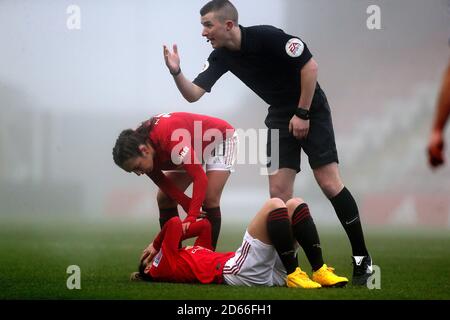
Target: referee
[[280, 69]]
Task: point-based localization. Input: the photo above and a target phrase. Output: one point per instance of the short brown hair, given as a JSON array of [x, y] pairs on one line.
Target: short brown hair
[[127, 145], [225, 10]]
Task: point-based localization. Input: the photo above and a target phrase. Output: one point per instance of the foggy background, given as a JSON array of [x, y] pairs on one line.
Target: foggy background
[[65, 95]]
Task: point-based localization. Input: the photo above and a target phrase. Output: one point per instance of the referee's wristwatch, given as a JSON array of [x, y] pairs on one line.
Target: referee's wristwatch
[[302, 113]]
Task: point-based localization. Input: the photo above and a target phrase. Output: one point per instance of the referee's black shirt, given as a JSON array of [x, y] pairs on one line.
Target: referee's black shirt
[[269, 63]]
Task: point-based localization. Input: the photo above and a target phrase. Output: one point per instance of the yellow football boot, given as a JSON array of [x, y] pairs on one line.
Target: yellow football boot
[[299, 279], [327, 278]]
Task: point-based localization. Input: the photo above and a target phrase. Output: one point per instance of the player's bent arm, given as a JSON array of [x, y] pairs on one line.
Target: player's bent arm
[[190, 91], [199, 183], [167, 247], [171, 233], [308, 76], [170, 189], [204, 234], [202, 230]]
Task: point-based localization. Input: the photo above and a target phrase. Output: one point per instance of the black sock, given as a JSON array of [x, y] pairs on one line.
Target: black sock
[[215, 218], [347, 212], [307, 237], [167, 214], [280, 234]]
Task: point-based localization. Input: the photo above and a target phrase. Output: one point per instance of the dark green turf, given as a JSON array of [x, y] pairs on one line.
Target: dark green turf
[[34, 255]]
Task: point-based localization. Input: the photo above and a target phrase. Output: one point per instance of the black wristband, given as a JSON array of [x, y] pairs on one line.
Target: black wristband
[[302, 113], [176, 73]]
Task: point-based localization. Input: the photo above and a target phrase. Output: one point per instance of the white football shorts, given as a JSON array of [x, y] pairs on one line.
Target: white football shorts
[[222, 158], [224, 155], [255, 264]]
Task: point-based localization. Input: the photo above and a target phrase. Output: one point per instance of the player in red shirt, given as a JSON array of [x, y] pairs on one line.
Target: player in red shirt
[[266, 256], [171, 149]]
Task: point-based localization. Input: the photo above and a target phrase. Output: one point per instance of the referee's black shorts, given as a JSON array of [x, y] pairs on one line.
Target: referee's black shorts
[[319, 145]]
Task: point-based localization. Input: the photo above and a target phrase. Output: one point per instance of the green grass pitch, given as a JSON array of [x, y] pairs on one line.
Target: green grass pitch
[[35, 253]]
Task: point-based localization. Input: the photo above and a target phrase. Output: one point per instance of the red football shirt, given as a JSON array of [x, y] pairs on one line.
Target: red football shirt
[[180, 139], [190, 264]]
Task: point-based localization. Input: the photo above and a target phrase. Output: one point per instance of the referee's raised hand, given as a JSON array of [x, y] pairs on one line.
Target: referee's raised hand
[[172, 59]]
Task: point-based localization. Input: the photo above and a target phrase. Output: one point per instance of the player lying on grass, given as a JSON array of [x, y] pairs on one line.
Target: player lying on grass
[[171, 149], [265, 258]]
